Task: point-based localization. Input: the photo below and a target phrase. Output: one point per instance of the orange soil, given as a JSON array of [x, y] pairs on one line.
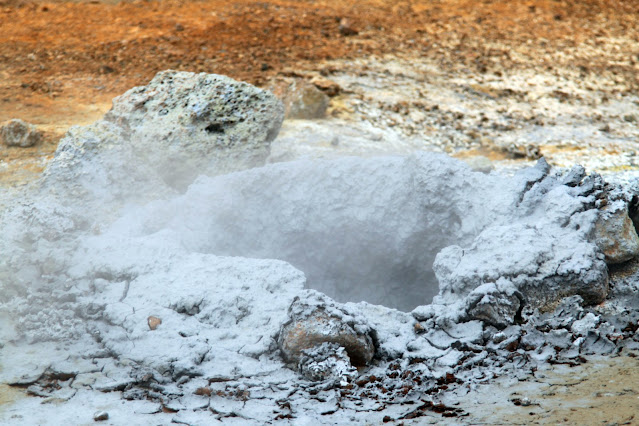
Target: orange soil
[[91, 51], [61, 62]]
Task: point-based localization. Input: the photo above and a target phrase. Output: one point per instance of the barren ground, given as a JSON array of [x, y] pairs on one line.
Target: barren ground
[[61, 62]]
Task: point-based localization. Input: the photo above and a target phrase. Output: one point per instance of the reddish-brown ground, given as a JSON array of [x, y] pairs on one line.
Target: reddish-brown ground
[[59, 57], [61, 62]]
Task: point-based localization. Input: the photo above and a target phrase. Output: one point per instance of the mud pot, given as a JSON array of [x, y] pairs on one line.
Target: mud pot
[[409, 213]]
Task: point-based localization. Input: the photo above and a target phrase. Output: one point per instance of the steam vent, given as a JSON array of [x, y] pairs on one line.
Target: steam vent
[[168, 268]]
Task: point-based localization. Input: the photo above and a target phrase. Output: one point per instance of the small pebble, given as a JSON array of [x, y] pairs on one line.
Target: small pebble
[[100, 416], [153, 322]]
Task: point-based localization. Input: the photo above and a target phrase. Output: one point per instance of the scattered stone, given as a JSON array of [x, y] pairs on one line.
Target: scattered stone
[[301, 99], [527, 151], [329, 87], [346, 29], [574, 176], [316, 320], [154, 322], [203, 391], [106, 69], [583, 326], [615, 233], [100, 416], [495, 303], [524, 402], [19, 133]]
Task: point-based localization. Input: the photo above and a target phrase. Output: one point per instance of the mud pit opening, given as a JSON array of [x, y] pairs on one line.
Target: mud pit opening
[[360, 230], [393, 230]]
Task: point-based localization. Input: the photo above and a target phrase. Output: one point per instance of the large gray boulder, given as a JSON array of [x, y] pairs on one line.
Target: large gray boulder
[[158, 138], [187, 124]]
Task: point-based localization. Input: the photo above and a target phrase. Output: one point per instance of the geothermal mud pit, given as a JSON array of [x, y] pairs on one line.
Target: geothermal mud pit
[[209, 286]]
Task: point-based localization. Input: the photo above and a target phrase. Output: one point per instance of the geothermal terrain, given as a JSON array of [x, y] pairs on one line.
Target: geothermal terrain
[[313, 212]]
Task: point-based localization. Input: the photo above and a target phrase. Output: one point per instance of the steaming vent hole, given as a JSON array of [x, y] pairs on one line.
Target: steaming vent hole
[[214, 128], [359, 230]]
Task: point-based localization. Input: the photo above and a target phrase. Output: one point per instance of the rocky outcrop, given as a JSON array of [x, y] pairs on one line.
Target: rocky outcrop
[[19, 133], [540, 256]]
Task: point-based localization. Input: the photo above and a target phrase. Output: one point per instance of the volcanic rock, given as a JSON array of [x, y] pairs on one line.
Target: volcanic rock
[[185, 123], [19, 133], [346, 28], [615, 233], [582, 326], [315, 320], [545, 253], [329, 87], [302, 100], [163, 135], [99, 416], [495, 303], [153, 322]]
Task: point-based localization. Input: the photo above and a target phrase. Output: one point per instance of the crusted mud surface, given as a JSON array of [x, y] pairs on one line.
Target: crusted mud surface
[[498, 84], [601, 392]]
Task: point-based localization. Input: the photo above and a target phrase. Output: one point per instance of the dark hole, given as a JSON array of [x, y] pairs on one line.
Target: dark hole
[[633, 211], [214, 128]]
